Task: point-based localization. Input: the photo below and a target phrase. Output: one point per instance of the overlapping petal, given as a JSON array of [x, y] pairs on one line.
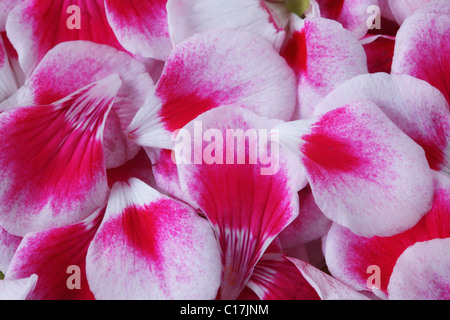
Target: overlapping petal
[[249, 202], [212, 69], [17, 289], [323, 55], [428, 28], [363, 171], [152, 247], [52, 161]]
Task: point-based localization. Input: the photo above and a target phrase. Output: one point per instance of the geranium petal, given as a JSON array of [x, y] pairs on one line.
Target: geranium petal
[[141, 27], [401, 9], [51, 159], [17, 289], [428, 29], [422, 272], [74, 64], [8, 83], [188, 17], [311, 224], [416, 107], [327, 287], [54, 255], [276, 278], [363, 171], [246, 206], [36, 26], [323, 55], [352, 14], [8, 246], [153, 247], [212, 69], [349, 256]]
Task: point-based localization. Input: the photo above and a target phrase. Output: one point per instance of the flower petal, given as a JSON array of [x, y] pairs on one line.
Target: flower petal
[[422, 272], [152, 247], [8, 246], [8, 83], [275, 277], [401, 9], [349, 256], [141, 27], [428, 29], [380, 51], [247, 199], [188, 17], [58, 257], [416, 107], [36, 26], [323, 55], [327, 287], [363, 171], [51, 159], [213, 69], [17, 289]]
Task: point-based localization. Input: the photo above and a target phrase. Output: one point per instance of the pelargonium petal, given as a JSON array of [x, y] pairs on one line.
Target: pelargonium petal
[[349, 256], [58, 257], [7, 6], [72, 65], [363, 171], [212, 69], [311, 224], [401, 9], [153, 247], [52, 162], [36, 26], [8, 246], [141, 27], [415, 106], [323, 55], [247, 199], [380, 51], [17, 289], [188, 17], [275, 277], [422, 272], [8, 83], [327, 287], [352, 14], [428, 29]]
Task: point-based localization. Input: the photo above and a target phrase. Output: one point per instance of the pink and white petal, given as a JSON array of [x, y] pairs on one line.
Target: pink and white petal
[[379, 51], [188, 17], [153, 247], [327, 287], [422, 272], [36, 26], [415, 106], [275, 277], [141, 27], [7, 6], [428, 29], [401, 9], [52, 162], [349, 256], [248, 200], [352, 14], [8, 246], [216, 68], [73, 65], [323, 55], [364, 172], [18, 289], [57, 256], [311, 223], [8, 83]]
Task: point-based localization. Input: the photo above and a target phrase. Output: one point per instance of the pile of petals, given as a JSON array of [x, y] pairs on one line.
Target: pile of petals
[[343, 192]]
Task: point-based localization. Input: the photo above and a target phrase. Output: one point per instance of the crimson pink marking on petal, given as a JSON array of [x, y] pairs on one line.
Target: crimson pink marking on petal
[[49, 20], [271, 17], [132, 10], [384, 251], [295, 51], [178, 111]]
